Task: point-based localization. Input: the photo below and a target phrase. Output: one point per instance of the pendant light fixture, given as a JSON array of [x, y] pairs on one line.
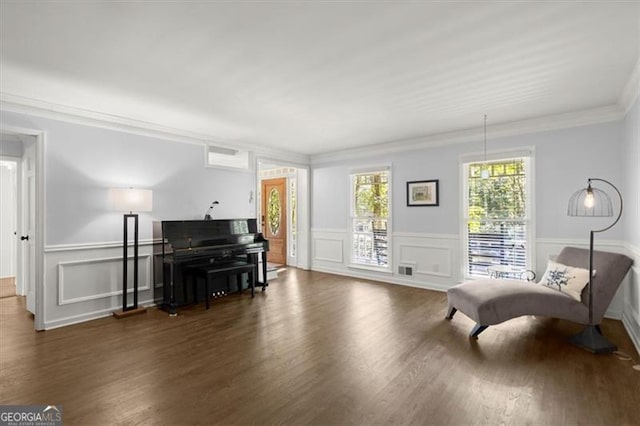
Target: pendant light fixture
[[484, 174]]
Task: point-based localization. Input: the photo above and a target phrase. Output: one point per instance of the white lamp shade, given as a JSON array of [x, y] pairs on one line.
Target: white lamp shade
[[132, 200]]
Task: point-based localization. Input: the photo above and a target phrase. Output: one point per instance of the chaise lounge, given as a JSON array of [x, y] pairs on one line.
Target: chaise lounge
[[492, 301]]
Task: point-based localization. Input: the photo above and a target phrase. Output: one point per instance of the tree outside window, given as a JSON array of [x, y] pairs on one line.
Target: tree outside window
[[370, 216], [497, 224]]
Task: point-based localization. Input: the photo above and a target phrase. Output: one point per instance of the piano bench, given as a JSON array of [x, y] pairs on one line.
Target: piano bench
[[209, 272]]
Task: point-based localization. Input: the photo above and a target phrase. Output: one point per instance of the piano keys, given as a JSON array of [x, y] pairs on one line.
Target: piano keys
[[211, 242]]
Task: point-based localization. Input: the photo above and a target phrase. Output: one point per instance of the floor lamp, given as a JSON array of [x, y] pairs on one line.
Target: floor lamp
[[592, 202], [130, 200]]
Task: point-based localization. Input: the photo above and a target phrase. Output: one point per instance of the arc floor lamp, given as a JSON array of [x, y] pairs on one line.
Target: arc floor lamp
[[130, 200], [593, 202]]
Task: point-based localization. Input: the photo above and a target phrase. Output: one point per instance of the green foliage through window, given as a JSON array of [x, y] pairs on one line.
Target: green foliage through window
[[501, 196], [370, 218], [497, 224]]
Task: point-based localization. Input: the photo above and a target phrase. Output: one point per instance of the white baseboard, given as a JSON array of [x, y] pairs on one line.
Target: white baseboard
[[387, 279], [633, 329], [76, 319]]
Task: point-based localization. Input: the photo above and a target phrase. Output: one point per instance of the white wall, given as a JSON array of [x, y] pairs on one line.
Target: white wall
[[631, 188], [10, 146], [429, 237], [82, 163], [631, 222], [83, 237], [564, 159]]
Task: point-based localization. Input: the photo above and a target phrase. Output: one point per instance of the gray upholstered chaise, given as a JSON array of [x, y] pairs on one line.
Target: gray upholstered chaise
[[490, 301]]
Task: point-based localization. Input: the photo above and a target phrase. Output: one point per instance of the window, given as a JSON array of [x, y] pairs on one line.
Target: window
[[496, 215], [370, 194], [293, 225]]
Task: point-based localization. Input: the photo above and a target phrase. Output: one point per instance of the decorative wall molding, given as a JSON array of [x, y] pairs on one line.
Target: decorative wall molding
[[97, 246], [62, 300], [599, 115], [581, 242], [329, 231], [631, 311], [84, 281], [446, 250], [23, 105], [431, 256], [381, 278], [331, 246], [426, 235], [425, 276], [633, 251]]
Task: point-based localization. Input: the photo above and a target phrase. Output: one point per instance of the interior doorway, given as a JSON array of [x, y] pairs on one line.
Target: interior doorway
[[22, 219], [10, 286], [283, 212]]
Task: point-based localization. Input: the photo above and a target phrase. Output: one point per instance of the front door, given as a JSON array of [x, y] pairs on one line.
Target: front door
[[274, 219]]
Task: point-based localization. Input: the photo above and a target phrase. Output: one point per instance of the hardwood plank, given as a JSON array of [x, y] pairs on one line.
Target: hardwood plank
[[7, 287], [315, 349]]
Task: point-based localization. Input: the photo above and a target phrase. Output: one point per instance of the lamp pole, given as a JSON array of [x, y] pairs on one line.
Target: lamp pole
[[591, 337]]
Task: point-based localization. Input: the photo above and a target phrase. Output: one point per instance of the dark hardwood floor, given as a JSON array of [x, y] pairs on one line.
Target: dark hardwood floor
[[316, 349]]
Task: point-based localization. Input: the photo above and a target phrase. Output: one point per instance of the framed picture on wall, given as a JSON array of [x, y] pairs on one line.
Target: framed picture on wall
[[423, 193]]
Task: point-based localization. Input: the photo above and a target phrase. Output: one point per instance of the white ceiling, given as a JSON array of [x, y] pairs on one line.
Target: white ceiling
[[315, 77]]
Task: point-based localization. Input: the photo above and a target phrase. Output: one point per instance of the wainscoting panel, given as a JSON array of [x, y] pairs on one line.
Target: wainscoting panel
[[85, 282], [631, 311], [433, 258], [328, 250], [100, 278], [429, 260]]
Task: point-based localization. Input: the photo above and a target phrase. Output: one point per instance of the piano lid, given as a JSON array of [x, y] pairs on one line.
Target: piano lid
[[184, 234]]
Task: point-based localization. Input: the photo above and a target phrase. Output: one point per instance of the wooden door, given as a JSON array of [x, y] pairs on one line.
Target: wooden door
[[274, 218]]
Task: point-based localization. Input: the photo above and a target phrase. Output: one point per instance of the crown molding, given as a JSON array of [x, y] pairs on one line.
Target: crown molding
[[631, 90], [29, 106], [22, 105], [535, 125]]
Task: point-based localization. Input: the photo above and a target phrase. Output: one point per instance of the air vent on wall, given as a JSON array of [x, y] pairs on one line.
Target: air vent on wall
[[224, 157], [405, 270]]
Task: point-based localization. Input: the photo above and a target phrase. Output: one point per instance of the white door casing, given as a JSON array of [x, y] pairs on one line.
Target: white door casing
[[28, 234]]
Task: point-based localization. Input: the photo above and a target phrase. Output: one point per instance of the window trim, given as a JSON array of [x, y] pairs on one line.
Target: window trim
[[366, 170], [528, 153]]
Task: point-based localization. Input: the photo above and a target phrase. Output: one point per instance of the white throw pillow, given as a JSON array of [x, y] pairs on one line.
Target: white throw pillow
[[567, 279]]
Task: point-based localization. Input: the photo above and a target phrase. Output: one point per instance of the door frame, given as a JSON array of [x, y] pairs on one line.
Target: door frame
[[39, 135], [303, 212]]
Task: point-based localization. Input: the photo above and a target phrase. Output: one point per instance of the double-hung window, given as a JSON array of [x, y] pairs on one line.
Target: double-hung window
[[370, 219], [498, 229]]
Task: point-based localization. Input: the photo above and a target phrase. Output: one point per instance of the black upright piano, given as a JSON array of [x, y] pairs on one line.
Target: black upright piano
[[190, 242]]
